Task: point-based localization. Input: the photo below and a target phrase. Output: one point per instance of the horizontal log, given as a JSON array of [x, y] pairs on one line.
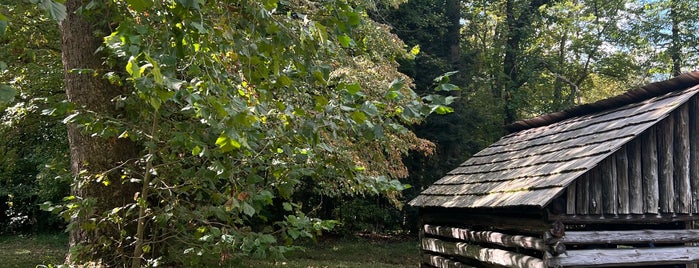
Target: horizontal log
[[625, 257], [482, 254], [441, 262], [622, 219], [492, 237], [631, 237]]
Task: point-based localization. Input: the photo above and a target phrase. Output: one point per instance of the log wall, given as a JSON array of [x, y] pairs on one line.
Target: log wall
[[656, 173]]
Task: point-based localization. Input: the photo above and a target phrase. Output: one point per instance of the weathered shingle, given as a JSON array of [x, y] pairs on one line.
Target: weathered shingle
[[534, 165]]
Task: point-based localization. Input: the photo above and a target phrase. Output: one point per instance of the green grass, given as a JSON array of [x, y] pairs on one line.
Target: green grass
[[32, 250], [43, 249], [353, 252]]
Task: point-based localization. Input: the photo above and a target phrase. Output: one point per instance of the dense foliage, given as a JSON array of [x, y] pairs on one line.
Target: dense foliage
[[259, 121], [243, 111], [33, 152]]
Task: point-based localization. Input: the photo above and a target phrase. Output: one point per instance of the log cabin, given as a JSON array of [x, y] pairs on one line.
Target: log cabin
[[613, 183]]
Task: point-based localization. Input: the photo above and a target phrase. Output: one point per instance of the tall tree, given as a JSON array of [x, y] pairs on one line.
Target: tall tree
[[222, 114], [520, 18], [95, 161]]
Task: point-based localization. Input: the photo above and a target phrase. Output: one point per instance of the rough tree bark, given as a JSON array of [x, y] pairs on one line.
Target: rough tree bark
[[90, 92]]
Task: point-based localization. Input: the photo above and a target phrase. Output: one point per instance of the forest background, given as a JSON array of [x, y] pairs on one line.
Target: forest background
[[320, 116]]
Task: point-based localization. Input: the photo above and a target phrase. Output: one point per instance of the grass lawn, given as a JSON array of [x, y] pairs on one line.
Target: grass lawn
[[33, 250], [352, 252]]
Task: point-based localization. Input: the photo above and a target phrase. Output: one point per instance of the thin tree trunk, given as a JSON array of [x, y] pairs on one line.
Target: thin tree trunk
[[676, 46], [89, 92]]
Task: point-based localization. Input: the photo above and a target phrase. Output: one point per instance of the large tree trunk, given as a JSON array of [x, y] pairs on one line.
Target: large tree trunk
[[95, 155]]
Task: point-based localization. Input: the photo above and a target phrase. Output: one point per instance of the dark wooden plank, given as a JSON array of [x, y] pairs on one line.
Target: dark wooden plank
[[622, 175], [683, 189], [649, 160], [631, 237], [622, 219], [665, 136], [492, 237], [570, 198], [482, 254], [441, 262], [625, 257], [596, 191], [609, 185], [583, 194], [694, 151], [635, 176]]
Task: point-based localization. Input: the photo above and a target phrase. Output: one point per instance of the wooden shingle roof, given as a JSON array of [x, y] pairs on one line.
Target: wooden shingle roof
[[533, 165]]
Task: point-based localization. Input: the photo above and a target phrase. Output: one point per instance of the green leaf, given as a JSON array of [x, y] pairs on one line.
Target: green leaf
[[3, 26], [140, 5], [441, 109], [196, 150], [445, 77], [248, 209], [345, 40], [132, 68], [397, 84], [227, 144], [157, 75], [447, 87], [353, 89], [56, 11], [270, 4], [415, 50], [358, 117], [353, 18], [7, 93]]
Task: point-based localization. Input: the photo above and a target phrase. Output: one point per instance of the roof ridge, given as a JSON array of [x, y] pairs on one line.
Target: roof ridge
[[680, 82]]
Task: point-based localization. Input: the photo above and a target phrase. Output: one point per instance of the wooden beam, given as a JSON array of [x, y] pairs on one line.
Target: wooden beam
[[570, 198], [622, 219], [631, 237], [649, 163], [609, 185], [596, 198], [582, 196], [694, 151], [441, 262], [482, 254], [665, 164], [625, 257], [622, 174], [683, 191], [497, 238], [635, 177]]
